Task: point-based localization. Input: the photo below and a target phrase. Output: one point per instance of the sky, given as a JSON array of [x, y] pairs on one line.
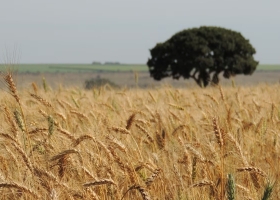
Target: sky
[[72, 31]]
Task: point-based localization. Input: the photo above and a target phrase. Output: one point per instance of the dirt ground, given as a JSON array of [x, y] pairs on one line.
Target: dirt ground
[[127, 79]]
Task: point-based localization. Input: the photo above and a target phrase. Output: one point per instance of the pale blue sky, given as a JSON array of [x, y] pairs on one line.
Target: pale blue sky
[[72, 31]]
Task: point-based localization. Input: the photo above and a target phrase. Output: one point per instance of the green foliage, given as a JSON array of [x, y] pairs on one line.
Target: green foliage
[[200, 53], [268, 191], [45, 84], [19, 120], [51, 124], [230, 187], [98, 82]]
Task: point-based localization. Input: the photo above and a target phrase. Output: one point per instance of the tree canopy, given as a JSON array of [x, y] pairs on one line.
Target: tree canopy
[[202, 54]]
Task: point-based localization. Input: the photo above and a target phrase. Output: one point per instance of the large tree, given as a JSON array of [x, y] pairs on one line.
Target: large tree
[[202, 54]]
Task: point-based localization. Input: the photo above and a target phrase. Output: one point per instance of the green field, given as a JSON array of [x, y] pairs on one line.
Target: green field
[[54, 68]]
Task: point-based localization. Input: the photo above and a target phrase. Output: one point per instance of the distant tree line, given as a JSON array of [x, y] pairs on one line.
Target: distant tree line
[[106, 63]]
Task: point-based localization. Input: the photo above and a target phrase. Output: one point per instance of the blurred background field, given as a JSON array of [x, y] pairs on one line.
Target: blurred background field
[[55, 68], [75, 75]]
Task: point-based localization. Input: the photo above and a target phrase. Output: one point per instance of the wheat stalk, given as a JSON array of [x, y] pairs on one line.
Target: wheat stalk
[[219, 133]]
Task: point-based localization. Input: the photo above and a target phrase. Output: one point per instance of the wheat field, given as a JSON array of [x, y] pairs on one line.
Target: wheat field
[[165, 143]]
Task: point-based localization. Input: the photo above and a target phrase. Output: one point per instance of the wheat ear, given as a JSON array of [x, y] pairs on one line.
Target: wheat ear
[[252, 169], [24, 156], [219, 133], [151, 140], [19, 187], [130, 121], [35, 87], [268, 191], [66, 152], [145, 195], [230, 188], [41, 100], [151, 179], [82, 138], [204, 183], [120, 130], [11, 121], [8, 78], [67, 134], [99, 182], [81, 115], [7, 136]]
